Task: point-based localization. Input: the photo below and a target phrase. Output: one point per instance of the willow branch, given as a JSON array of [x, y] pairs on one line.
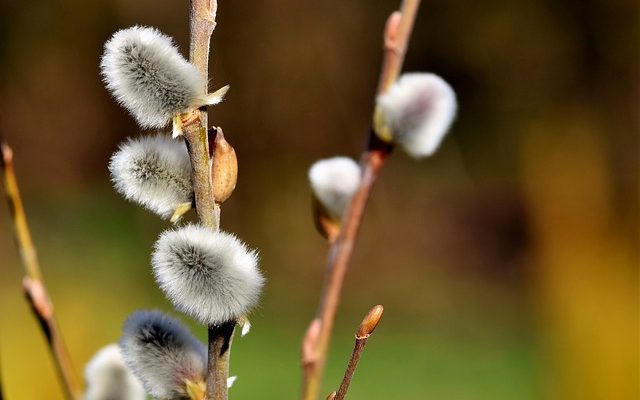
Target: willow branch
[[396, 37], [202, 23], [219, 345], [33, 285], [1, 387], [368, 325]]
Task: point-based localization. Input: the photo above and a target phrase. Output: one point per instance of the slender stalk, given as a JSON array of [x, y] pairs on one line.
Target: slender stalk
[[198, 147], [351, 367], [396, 40], [365, 330], [1, 390], [220, 345], [396, 37], [309, 342], [202, 23], [33, 285], [339, 257]]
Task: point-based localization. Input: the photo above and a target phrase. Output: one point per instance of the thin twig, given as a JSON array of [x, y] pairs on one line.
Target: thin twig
[[33, 285], [1, 387], [368, 325], [396, 37], [309, 343], [202, 23]]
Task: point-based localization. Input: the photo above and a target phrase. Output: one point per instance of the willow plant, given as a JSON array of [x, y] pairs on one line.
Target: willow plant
[[206, 273]]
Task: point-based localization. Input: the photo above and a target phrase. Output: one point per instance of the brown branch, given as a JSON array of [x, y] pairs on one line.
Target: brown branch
[[208, 211], [202, 23], [309, 344], [219, 345], [1, 387], [33, 285], [396, 38], [368, 325]]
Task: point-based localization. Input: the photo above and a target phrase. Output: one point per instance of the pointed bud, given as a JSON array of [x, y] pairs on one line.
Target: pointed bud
[[155, 172], [209, 275], [370, 322], [109, 378], [334, 181], [163, 354], [231, 380], [147, 75], [224, 169], [416, 113]]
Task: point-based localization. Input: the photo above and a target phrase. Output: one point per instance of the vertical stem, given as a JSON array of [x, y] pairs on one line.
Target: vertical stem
[[1, 389], [396, 40], [396, 37], [219, 345], [339, 257], [197, 145], [202, 23], [33, 285], [366, 328], [351, 368]]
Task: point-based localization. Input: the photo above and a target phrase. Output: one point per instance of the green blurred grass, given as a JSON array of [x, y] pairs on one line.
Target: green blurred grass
[[441, 337]]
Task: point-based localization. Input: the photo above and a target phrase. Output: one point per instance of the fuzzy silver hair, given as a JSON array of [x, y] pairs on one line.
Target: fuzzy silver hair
[[147, 75], [162, 354], [211, 276], [109, 378], [334, 182], [418, 109], [153, 171]]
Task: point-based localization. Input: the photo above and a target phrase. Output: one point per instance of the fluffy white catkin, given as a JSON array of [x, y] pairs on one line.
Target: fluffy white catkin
[[109, 378], [153, 171], [334, 181], [418, 111], [162, 354], [212, 276], [147, 75]]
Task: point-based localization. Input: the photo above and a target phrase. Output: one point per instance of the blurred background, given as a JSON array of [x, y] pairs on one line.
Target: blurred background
[[507, 263]]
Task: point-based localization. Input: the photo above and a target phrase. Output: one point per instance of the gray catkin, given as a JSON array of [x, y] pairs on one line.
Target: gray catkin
[[210, 275], [147, 75], [153, 171], [162, 354]]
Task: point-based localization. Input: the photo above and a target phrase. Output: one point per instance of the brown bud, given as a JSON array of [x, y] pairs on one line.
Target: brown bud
[[328, 227], [332, 395], [370, 322], [224, 169]]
